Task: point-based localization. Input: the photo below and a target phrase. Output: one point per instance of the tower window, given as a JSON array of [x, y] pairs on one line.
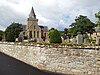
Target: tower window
[[34, 34], [37, 34], [34, 27]]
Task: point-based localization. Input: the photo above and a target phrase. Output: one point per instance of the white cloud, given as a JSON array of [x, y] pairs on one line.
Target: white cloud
[[47, 2], [53, 13]]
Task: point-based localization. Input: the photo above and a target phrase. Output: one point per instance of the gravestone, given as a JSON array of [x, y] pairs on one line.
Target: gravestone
[[79, 38], [16, 39], [98, 40], [74, 40], [68, 40], [86, 41], [21, 37]]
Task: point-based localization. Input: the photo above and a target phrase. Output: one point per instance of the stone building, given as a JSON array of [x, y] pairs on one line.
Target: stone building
[[33, 31]]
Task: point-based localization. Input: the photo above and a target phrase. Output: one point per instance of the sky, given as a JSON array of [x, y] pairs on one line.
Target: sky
[[58, 14]]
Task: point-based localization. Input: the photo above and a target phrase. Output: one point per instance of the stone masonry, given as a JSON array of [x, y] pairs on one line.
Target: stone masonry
[[61, 60]]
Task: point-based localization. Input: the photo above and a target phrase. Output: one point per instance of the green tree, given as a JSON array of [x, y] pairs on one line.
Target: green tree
[[66, 31], [82, 24], [12, 32], [1, 35], [55, 36], [52, 29], [97, 15]]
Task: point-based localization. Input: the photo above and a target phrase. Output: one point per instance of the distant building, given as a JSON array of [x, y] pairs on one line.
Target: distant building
[[33, 31]]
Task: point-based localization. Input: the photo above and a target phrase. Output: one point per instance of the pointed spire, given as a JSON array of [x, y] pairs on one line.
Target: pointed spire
[[32, 14]]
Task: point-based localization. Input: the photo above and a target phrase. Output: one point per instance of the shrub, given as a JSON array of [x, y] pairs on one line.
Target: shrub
[[55, 36]]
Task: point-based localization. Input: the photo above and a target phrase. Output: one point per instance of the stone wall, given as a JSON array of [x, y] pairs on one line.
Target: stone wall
[[63, 60]]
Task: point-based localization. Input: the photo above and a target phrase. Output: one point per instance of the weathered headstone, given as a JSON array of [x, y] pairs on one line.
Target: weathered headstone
[[86, 41], [21, 37], [74, 40], [16, 39], [98, 40], [68, 40], [79, 38]]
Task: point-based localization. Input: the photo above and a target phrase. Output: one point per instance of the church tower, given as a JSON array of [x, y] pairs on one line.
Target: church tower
[[32, 19], [32, 25]]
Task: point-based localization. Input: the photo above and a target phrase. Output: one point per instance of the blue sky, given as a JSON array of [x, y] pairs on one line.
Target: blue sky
[[52, 13]]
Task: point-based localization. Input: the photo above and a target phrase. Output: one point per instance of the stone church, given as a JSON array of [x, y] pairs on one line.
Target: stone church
[[33, 31]]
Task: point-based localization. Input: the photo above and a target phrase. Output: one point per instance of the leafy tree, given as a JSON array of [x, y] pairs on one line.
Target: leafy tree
[[82, 24], [1, 35], [65, 34], [52, 29], [97, 15], [12, 32], [61, 32], [55, 36], [66, 31]]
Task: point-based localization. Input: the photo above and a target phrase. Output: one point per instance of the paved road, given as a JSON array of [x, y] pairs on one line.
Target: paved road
[[11, 66]]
